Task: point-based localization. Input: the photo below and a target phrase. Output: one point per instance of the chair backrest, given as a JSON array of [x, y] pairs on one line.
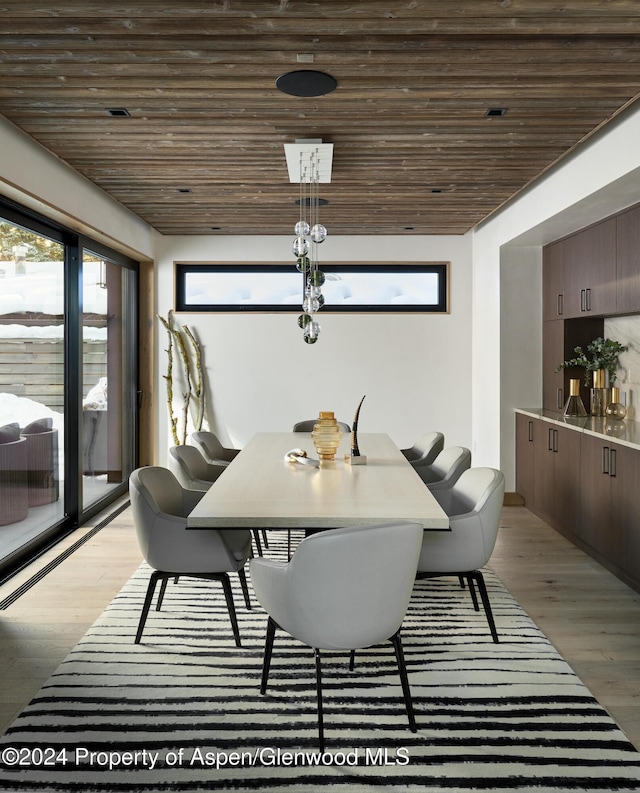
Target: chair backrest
[[160, 507], [425, 450], [307, 426], [190, 467], [447, 467], [474, 505], [350, 587], [208, 443], [475, 490]]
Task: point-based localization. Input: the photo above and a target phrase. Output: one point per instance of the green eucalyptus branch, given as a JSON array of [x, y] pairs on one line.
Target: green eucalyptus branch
[[601, 354]]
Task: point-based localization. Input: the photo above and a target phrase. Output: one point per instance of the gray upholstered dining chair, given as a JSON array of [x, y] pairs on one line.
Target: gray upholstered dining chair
[[446, 469], [474, 505], [195, 473], [191, 469], [318, 600], [425, 450], [307, 426], [160, 507], [211, 448]]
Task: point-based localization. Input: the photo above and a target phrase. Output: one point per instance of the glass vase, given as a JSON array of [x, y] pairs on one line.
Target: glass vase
[[574, 405], [615, 409], [599, 393], [326, 436]]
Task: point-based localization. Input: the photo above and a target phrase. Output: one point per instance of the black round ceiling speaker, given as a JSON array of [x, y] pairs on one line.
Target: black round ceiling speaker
[[306, 82]]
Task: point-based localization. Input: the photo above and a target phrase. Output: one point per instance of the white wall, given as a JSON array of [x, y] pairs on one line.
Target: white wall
[[414, 369], [599, 179]]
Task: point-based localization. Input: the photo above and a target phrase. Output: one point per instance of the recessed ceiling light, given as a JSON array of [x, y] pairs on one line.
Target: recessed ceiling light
[[184, 189], [496, 112], [216, 228], [409, 228], [437, 190], [306, 82], [118, 112]]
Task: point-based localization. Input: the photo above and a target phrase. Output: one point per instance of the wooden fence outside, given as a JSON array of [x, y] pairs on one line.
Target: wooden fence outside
[[34, 368]]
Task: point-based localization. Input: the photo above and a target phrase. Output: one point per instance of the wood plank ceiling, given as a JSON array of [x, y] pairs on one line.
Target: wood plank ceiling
[[414, 150]]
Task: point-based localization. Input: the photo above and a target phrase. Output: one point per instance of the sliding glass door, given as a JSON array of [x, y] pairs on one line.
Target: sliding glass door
[[108, 373], [67, 381]]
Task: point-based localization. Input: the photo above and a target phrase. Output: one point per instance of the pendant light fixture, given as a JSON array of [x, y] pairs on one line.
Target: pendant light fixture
[[309, 163]]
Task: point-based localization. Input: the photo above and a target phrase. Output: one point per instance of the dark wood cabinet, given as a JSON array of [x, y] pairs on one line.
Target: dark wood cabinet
[[628, 262], [589, 271], [585, 485], [553, 280], [525, 462], [610, 504], [553, 353], [556, 490]]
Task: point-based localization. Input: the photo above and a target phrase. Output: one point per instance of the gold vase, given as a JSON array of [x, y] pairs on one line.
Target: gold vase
[[615, 409], [326, 435], [599, 393]]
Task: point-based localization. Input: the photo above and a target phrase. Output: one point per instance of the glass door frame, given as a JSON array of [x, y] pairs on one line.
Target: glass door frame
[[74, 244]]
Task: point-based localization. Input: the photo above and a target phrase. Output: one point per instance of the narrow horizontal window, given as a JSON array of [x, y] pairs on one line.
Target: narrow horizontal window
[[418, 288]]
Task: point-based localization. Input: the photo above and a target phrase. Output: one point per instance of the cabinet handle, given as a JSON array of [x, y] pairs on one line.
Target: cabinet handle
[[588, 300], [559, 305], [559, 402], [550, 439], [555, 441], [612, 465], [583, 299], [604, 466], [531, 431]]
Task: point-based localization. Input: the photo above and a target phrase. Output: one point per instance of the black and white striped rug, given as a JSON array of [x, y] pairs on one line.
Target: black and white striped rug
[[182, 711]]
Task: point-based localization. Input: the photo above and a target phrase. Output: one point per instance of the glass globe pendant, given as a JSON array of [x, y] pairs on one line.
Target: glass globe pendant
[[310, 304], [301, 229], [318, 233], [311, 332], [300, 246]]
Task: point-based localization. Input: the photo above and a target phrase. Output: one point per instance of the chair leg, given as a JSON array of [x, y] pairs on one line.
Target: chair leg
[[268, 649], [404, 679], [264, 538], [245, 589], [477, 576], [461, 580], [155, 577], [472, 592], [163, 589], [228, 594], [352, 660], [256, 537], [288, 545], [319, 698]]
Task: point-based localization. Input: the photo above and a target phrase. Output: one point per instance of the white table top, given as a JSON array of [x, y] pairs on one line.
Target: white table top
[[260, 490]]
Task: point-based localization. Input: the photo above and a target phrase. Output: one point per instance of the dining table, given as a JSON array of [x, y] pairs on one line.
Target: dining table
[[262, 489]]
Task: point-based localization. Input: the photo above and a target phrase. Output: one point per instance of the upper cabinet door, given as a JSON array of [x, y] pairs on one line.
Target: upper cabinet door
[[590, 271], [553, 280], [628, 254]]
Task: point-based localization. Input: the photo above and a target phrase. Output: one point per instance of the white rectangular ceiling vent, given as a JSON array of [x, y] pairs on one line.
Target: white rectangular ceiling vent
[[300, 154]]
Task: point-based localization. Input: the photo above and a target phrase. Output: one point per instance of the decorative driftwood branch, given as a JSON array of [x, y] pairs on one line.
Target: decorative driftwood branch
[[169, 378], [199, 386], [194, 384]]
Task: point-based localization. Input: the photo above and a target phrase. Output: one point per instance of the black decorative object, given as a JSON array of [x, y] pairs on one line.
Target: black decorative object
[[355, 458]]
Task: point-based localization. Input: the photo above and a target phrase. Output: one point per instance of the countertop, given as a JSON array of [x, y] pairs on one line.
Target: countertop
[[625, 432]]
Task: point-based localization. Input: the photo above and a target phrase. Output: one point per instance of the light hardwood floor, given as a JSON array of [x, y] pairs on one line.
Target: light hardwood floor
[[590, 616]]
